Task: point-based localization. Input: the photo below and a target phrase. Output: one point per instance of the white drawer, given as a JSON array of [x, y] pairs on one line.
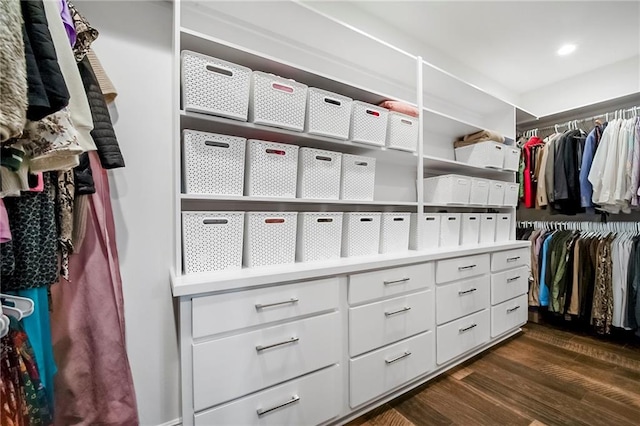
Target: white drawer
[[310, 400], [378, 324], [461, 298], [509, 315], [509, 284], [232, 311], [461, 267], [510, 259], [227, 368], [389, 282], [380, 371], [460, 336]]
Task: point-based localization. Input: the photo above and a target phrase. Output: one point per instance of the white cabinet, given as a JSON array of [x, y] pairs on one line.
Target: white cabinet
[[461, 298], [508, 315], [460, 336], [509, 284], [510, 259], [461, 267], [389, 282]]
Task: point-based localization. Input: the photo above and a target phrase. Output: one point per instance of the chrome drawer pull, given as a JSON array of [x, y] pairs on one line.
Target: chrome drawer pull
[[471, 290], [513, 259], [462, 330], [464, 268], [398, 358], [513, 279], [513, 309], [286, 342], [405, 309], [293, 400], [269, 305], [396, 281]]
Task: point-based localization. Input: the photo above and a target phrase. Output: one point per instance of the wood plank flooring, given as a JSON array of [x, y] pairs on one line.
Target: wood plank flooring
[[545, 376]]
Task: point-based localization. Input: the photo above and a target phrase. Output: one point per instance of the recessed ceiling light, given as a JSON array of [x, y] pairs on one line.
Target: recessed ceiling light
[[567, 49]]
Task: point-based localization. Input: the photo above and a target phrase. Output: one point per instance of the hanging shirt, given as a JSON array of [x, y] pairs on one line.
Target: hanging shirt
[[544, 288], [529, 154], [586, 189], [635, 165]]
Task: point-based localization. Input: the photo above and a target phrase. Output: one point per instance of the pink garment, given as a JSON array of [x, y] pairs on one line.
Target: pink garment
[[94, 383], [400, 107], [5, 232]]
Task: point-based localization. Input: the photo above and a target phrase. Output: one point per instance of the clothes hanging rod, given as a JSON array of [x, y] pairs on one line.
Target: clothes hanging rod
[[606, 116]]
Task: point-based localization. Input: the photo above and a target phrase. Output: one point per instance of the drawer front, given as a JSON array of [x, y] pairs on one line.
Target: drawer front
[[227, 368], [462, 335], [461, 267], [378, 324], [389, 282], [310, 400], [510, 259], [509, 284], [226, 312], [380, 371], [509, 315], [462, 298]]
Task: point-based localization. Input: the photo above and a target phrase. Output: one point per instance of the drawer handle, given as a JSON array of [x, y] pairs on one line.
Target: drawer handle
[[471, 290], [465, 268], [513, 259], [286, 342], [293, 400], [398, 358], [513, 279], [403, 280], [513, 309], [269, 305], [400, 311], [462, 330]]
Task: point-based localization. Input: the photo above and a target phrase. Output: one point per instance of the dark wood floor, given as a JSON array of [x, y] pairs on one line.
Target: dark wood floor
[[544, 376]]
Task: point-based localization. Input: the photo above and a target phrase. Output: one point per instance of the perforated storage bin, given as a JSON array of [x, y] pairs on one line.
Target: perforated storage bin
[[487, 228], [479, 194], [503, 227], [483, 154], [511, 194], [429, 234], [394, 232], [358, 178], [470, 229], [447, 189], [213, 163], [360, 234], [319, 174], [213, 86], [271, 169], [277, 102], [402, 132], [511, 158], [496, 193], [269, 238], [368, 123], [212, 241], [328, 114], [450, 227], [319, 236]]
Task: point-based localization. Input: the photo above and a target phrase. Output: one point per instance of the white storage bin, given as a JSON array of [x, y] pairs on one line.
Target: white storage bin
[[269, 238], [402, 132], [358, 177], [271, 169], [503, 227], [511, 158], [212, 241], [319, 236], [470, 229], [447, 189], [277, 102], [213, 164], [483, 154], [394, 233], [487, 228], [511, 194], [213, 86], [328, 114], [496, 193], [368, 123], [450, 229], [479, 194], [319, 174], [361, 234], [430, 235]]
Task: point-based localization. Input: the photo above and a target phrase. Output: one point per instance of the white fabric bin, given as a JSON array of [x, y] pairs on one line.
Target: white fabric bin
[[368, 123], [450, 227], [213, 86], [402, 132], [269, 238], [511, 158], [511, 191], [487, 228], [358, 178], [213, 163], [212, 241], [319, 174], [394, 232], [447, 189], [360, 234], [470, 229], [271, 169], [328, 114], [482, 154], [277, 101], [496, 193], [503, 227], [479, 194], [319, 236], [430, 231]]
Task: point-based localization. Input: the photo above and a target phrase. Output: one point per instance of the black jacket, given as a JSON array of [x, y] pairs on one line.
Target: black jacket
[[82, 176]]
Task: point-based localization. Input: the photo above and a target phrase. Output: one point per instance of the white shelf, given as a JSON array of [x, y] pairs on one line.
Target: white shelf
[[435, 165], [276, 200], [468, 206], [442, 124], [197, 284]]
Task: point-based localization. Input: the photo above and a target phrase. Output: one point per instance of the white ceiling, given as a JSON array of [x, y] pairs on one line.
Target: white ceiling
[[515, 42]]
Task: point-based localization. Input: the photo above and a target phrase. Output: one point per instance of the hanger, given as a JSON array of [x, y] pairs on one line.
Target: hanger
[[18, 307], [4, 323]]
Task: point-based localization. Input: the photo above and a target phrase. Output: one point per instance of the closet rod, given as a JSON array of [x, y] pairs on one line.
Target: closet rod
[[633, 227], [606, 116]]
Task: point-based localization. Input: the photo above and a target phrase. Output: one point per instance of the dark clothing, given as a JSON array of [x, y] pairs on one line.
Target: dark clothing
[[83, 177]]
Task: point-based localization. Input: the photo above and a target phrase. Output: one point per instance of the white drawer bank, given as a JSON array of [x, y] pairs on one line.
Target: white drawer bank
[[325, 342]]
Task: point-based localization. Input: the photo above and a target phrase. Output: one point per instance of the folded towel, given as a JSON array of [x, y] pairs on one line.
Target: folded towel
[[400, 107], [484, 135]]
